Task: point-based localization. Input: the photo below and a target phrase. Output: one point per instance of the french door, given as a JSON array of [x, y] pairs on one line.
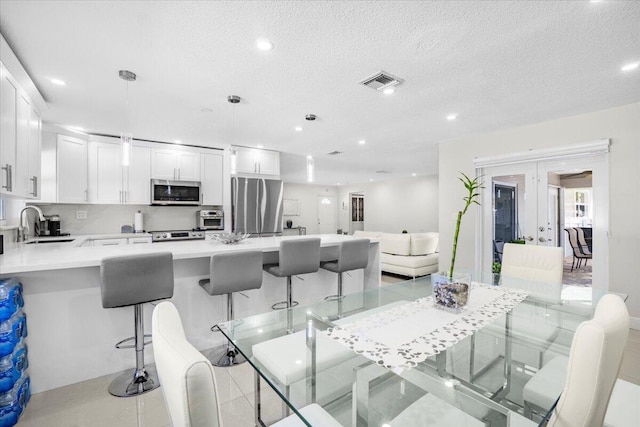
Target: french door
[[537, 205]]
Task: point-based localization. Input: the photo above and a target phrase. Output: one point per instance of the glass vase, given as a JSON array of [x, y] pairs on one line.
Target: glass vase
[[451, 293]]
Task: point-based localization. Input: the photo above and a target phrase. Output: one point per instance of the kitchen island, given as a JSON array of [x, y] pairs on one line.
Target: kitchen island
[[71, 337]]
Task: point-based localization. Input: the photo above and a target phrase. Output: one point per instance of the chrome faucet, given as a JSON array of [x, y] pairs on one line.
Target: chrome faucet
[[22, 234]]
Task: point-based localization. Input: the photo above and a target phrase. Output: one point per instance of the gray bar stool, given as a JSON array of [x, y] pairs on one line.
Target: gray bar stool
[[232, 272], [296, 256], [352, 255], [134, 280]]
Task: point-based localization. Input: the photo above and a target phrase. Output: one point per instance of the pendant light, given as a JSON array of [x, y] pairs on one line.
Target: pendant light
[[126, 137], [233, 99]]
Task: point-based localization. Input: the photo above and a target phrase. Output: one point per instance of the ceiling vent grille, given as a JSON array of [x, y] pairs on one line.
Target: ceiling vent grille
[[334, 153], [381, 81], [383, 171]]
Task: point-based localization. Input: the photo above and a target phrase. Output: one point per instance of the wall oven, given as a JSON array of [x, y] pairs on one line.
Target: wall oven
[[175, 193]]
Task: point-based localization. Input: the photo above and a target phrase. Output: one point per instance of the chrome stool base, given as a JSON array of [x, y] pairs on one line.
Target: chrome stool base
[[283, 304], [132, 383], [226, 356]]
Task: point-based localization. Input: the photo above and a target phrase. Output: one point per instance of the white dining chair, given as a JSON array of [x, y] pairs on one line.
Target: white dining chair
[[188, 381], [589, 373], [534, 327]]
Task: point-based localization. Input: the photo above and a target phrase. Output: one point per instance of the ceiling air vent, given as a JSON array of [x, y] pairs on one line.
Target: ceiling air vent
[[383, 171], [334, 153], [381, 81]]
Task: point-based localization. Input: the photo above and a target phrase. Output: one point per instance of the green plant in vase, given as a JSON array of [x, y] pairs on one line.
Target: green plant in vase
[[449, 291]]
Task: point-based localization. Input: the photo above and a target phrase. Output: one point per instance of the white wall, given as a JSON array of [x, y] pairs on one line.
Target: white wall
[[392, 206], [307, 195], [621, 124]]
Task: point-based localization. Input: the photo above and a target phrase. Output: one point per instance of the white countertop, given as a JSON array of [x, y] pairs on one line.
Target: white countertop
[[57, 256]]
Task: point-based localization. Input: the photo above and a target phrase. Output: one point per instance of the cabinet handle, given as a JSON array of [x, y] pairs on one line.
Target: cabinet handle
[[120, 196], [86, 195], [255, 167], [34, 179], [126, 196], [9, 185]]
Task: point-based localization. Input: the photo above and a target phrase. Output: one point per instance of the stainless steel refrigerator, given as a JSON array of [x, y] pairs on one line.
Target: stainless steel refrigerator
[[256, 206]]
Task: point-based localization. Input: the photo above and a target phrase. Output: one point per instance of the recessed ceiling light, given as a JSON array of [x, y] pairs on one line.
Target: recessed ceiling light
[[260, 146], [362, 142], [309, 157], [264, 44], [630, 67], [452, 117], [370, 179], [178, 141], [57, 82], [207, 110], [338, 183], [298, 129], [388, 91], [413, 174]]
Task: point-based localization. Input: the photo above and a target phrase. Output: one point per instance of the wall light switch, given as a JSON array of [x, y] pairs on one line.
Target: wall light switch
[[81, 214]]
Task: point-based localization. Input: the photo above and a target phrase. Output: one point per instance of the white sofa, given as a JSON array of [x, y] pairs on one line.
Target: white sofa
[[410, 254]]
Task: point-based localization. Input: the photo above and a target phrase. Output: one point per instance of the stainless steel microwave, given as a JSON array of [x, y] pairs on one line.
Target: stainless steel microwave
[[175, 193]]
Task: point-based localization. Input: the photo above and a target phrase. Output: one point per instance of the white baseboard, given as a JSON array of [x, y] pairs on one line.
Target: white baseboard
[[635, 323]]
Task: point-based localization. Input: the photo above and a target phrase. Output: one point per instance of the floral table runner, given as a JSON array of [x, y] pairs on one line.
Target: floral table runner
[[405, 335]]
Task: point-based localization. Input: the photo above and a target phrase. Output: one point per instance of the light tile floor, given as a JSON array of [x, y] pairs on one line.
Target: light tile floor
[[89, 404]]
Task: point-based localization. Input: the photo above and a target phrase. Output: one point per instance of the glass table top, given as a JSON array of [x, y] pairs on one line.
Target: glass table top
[[386, 357]]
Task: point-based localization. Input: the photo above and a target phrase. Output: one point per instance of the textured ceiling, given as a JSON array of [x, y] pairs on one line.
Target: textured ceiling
[[495, 64]]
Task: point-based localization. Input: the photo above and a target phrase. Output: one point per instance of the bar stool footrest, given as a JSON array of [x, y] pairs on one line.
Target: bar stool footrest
[[282, 305], [119, 345]]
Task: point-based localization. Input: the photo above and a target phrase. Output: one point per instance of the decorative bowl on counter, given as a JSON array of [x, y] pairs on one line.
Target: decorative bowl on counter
[[230, 238]]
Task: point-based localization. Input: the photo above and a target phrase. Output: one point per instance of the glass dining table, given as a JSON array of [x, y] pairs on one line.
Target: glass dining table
[[388, 358]]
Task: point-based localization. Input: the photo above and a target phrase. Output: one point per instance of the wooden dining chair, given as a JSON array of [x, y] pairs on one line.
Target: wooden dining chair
[[188, 381]]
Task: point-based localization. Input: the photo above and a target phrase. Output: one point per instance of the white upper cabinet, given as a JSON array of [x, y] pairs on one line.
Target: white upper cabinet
[[105, 173], [35, 149], [137, 186], [180, 164], [8, 131], [212, 178], [111, 182], [255, 161], [72, 173], [20, 139]]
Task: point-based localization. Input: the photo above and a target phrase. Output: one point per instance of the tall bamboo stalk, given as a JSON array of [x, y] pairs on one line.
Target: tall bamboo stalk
[[472, 185]]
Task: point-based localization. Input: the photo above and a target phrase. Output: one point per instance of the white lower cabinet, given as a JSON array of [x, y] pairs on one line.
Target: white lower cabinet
[[139, 240], [117, 241], [109, 242]]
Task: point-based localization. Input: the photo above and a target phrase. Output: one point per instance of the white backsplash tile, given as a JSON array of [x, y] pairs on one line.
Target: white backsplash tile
[[107, 219]]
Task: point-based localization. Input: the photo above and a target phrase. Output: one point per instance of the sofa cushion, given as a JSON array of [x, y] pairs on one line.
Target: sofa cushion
[[397, 244], [424, 243], [410, 261], [367, 234]]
